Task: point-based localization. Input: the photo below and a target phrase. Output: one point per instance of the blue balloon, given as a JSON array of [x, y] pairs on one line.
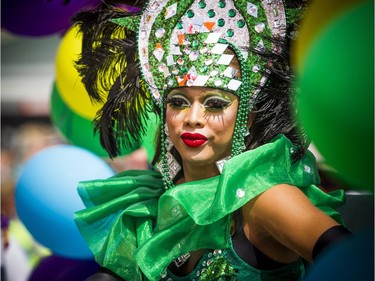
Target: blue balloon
[[46, 196]]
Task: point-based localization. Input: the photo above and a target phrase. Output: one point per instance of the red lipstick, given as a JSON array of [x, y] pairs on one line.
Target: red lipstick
[[193, 140]]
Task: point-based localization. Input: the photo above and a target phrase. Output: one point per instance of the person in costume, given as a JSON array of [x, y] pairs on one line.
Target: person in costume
[[233, 194]]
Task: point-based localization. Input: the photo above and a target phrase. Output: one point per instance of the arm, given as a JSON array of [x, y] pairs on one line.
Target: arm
[[284, 214]]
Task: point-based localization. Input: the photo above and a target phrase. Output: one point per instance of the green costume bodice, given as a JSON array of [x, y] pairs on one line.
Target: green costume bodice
[[134, 226], [226, 265]]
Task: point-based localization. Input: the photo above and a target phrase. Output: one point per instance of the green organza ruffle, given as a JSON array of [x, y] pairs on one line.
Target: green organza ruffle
[[118, 223]]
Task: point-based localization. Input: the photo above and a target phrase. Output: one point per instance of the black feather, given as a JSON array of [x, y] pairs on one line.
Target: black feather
[[109, 69]]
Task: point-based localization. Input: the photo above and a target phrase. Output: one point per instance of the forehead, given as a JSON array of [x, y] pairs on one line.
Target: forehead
[[200, 91]]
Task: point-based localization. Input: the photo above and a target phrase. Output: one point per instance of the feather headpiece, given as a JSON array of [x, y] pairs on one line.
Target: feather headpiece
[[173, 44]]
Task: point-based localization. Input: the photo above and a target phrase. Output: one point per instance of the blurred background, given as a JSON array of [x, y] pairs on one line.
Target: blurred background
[[47, 145]]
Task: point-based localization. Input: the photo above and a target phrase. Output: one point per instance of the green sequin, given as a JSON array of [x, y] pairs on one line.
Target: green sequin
[[190, 14], [221, 22], [211, 13], [230, 32], [232, 13], [222, 4], [204, 69], [241, 23], [179, 25], [202, 4]]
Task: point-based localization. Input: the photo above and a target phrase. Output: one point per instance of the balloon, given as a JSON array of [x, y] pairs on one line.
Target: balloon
[[75, 97], [78, 130], [348, 260], [68, 81], [321, 13], [46, 196], [40, 17], [336, 102], [55, 268]]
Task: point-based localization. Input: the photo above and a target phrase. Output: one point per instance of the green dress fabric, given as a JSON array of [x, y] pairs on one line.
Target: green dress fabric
[[136, 228]]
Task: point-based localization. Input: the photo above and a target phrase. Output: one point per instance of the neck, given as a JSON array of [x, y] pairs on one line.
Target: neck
[[198, 172]]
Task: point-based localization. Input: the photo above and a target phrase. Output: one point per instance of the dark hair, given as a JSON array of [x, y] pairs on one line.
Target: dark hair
[[275, 112]]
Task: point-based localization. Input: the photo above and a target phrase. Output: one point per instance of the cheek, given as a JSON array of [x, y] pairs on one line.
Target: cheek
[[173, 122], [225, 127]]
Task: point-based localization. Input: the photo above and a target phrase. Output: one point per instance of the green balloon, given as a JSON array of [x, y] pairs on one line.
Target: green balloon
[[336, 99], [76, 129]]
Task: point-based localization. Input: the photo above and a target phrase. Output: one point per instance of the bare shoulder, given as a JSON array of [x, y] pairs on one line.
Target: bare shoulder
[[286, 214]]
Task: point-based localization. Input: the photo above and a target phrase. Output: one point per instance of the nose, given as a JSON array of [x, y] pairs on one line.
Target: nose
[[195, 115]]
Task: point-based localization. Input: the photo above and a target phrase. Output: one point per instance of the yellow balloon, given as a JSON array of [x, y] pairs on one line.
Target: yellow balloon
[[72, 90]]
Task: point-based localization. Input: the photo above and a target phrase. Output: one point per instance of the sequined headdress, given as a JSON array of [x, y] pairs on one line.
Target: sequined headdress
[[183, 44]]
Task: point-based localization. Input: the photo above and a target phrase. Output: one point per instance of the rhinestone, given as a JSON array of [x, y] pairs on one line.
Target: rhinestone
[[187, 50], [241, 23], [162, 67], [260, 27], [160, 32], [256, 68], [222, 4], [214, 72], [179, 25], [169, 279], [209, 255], [195, 43], [180, 61], [230, 32], [203, 50], [202, 4], [209, 62], [171, 11], [252, 9], [190, 13], [164, 274], [203, 69], [193, 56], [175, 71], [218, 83], [209, 262], [240, 193], [307, 169], [211, 13], [232, 13], [291, 150], [221, 22]]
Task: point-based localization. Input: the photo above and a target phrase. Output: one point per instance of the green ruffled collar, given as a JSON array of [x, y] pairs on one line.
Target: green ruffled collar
[[118, 224]]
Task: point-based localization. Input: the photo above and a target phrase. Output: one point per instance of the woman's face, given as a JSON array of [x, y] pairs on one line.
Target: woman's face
[[201, 123]]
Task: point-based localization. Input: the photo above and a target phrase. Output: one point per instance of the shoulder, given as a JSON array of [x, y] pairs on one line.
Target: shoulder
[[285, 214]]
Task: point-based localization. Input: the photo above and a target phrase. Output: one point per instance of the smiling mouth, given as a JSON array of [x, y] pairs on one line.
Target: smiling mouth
[[193, 140]]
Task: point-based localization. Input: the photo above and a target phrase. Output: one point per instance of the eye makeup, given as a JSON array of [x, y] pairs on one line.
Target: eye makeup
[[212, 101]]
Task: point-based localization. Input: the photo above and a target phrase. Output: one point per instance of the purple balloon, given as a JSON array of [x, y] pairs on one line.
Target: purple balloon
[[41, 17], [55, 268]]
